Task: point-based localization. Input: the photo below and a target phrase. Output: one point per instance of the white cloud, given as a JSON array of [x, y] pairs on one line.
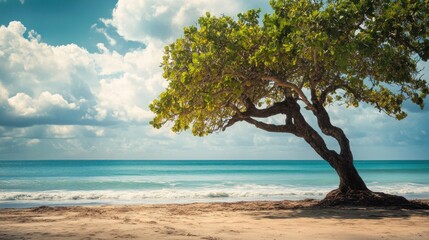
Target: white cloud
[[16, 27], [34, 36], [148, 20], [120, 97], [127, 96], [62, 131], [98, 131], [24, 105], [4, 94], [33, 142], [110, 40], [37, 79], [108, 62], [32, 67]]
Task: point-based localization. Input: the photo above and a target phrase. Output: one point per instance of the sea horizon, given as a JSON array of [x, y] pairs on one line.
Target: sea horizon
[[208, 159]]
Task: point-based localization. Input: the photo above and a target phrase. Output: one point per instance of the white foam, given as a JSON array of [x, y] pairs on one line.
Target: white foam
[[236, 192], [401, 188], [213, 193]]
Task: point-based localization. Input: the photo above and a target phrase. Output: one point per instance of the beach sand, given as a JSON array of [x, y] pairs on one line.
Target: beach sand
[[210, 221]]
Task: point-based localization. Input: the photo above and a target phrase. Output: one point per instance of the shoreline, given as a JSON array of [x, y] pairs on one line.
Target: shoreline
[[217, 220]]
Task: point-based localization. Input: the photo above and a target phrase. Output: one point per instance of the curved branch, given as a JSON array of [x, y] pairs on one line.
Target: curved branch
[[295, 124], [272, 127], [327, 128], [291, 86], [313, 138], [252, 111], [276, 108], [324, 121], [231, 122]]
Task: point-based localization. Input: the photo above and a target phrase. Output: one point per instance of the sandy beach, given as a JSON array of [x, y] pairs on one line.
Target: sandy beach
[[242, 220]]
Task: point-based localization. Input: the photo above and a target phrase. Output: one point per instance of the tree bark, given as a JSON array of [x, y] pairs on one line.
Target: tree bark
[[350, 180]]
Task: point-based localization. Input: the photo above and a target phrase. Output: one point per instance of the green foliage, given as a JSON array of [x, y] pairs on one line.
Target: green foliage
[[347, 51]]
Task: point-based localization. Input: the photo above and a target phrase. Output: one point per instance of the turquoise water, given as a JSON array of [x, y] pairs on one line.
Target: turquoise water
[[34, 183]]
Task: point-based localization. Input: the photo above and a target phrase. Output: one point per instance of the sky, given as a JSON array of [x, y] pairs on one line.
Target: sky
[[77, 76]]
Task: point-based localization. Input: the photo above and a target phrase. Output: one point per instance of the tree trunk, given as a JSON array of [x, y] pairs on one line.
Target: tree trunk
[[353, 191], [350, 179], [342, 162]]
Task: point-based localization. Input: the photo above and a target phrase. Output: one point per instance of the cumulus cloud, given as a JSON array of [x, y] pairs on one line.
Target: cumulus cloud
[[44, 84], [30, 66], [119, 98], [24, 105], [33, 142], [110, 40], [133, 80], [4, 94], [148, 20], [62, 131]]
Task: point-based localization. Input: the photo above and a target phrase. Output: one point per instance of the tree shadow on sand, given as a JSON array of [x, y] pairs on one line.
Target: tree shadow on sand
[[343, 213]]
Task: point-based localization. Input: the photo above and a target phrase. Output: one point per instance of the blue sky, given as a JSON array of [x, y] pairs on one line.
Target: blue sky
[[76, 79]]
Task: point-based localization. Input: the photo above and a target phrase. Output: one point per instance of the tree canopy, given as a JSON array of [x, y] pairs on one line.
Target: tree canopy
[[224, 70]]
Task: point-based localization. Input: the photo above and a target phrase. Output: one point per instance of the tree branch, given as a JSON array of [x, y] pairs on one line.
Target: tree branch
[[292, 86], [252, 111], [272, 127], [276, 108], [232, 121], [327, 128], [324, 121], [295, 124]]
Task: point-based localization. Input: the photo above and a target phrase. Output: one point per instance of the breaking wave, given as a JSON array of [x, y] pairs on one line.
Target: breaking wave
[[246, 192]]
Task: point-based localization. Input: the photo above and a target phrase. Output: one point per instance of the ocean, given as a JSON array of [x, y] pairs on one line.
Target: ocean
[[98, 182]]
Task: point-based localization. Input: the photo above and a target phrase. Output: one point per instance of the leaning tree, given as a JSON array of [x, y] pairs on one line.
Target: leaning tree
[[304, 56]]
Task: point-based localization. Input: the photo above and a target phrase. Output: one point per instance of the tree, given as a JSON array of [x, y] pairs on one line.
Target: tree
[[304, 56]]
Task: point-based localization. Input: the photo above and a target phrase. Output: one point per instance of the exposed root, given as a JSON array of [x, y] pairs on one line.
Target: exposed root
[[359, 198]]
